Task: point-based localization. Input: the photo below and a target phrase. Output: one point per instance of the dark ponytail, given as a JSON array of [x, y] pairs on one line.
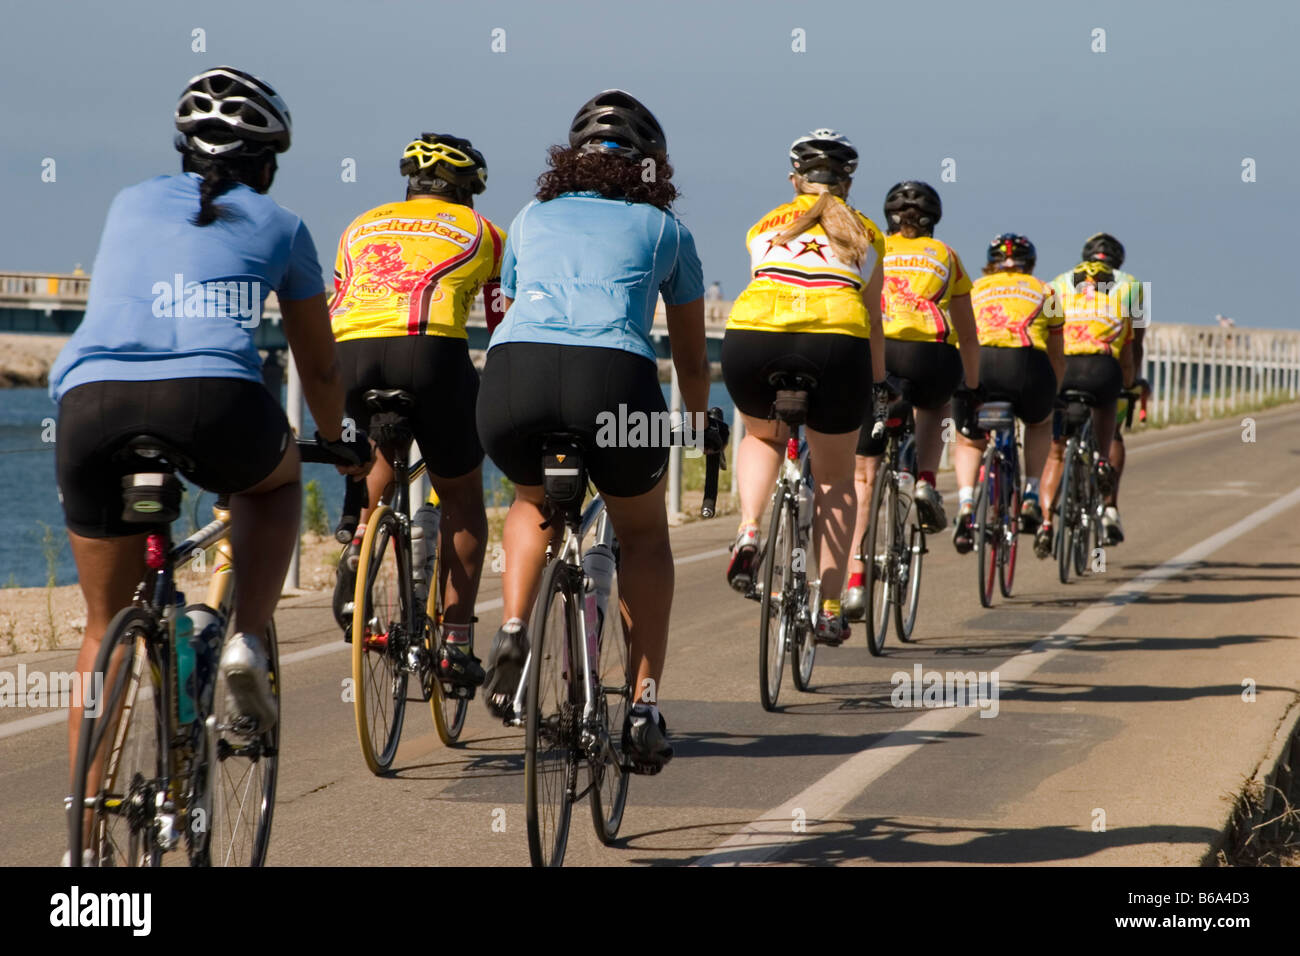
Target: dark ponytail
[[220, 176], [216, 180]]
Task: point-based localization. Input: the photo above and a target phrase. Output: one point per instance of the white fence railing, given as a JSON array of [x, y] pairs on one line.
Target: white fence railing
[[1202, 372]]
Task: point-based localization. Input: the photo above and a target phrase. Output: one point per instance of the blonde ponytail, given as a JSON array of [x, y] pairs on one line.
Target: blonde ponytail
[[843, 226]]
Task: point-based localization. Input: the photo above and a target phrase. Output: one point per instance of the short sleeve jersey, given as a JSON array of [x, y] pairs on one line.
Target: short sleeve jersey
[[1009, 311], [921, 277], [413, 268], [802, 285], [169, 299], [586, 270], [1097, 319]]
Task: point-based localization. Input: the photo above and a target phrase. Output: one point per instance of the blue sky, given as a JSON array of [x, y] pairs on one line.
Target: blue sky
[[1145, 140]]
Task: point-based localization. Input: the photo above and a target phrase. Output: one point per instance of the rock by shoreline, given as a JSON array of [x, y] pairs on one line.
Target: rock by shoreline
[[25, 359]]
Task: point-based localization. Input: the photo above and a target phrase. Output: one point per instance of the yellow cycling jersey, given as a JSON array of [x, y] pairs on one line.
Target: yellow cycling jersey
[[921, 277], [801, 285], [1097, 318], [413, 268], [1009, 311]]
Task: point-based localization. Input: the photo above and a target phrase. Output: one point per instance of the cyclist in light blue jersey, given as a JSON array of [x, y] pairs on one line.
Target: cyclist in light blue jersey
[[583, 268]]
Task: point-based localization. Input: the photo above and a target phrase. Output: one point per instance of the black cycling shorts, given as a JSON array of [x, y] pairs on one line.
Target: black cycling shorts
[[438, 371], [532, 389], [1021, 376], [233, 429], [841, 364], [1098, 374], [927, 373]]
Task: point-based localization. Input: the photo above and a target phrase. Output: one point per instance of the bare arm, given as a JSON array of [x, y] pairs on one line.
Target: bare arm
[[1126, 364], [968, 338], [1056, 354], [1138, 350], [871, 299], [311, 340], [690, 351]]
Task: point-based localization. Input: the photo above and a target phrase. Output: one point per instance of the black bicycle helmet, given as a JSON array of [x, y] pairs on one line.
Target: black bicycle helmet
[[1012, 248], [451, 159], [227, 112], [618, 118], [824, 156], [1103, 247], [912, 194]]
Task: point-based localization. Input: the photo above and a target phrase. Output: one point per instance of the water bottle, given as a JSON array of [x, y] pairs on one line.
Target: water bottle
[[209, 630], [598, 567], [906, 487], [427, 520], [183, 645], [419, 553]]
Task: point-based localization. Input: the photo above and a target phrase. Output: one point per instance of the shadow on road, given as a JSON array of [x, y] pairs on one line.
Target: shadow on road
[[889, 841]]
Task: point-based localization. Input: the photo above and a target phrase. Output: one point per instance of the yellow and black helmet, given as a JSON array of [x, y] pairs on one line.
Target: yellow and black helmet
[[1094, 271], [450, 159]]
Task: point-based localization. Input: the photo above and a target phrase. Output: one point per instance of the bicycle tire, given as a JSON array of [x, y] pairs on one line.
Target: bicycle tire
[[131, 700], [551, 658], [987, 525], [449, 712], [804, 651], [772, 644], [610, 781], [1069, 513], [256, 770], [1085, 511], [878, 569], [914, 551], [1010, 525], [381, 601]]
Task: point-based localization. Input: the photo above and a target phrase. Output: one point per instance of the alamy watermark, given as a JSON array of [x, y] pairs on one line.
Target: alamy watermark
[[1125, 300], [36, 689], [930, 689], [238, 299], [638, 429]]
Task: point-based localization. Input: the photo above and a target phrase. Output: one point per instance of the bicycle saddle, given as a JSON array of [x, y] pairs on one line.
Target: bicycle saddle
[[389, 400], [1073, 395], [148, 451], [993, 415]]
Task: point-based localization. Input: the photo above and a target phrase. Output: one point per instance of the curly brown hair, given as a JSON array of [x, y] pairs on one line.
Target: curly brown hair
[[611, 175]]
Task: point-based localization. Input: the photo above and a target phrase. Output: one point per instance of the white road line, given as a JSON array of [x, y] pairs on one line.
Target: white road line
[[15, 727], [767, 837]]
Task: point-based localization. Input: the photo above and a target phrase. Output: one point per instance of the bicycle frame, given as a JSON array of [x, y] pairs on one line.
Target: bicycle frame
[[593, 516]]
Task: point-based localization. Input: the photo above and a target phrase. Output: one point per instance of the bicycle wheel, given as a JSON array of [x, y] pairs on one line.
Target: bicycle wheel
[[244, 771], [1089, 536], [551, 737], [1069, 516], [878, 556], [1085, 512], [1010, 529], [122, 751], [610, 778], [381, 612], [908, 574], [775, 606], [449, 709], [805, 648], [987, 525]]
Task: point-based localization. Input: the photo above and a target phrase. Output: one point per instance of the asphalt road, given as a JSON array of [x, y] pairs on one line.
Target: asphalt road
[[1121, 734]]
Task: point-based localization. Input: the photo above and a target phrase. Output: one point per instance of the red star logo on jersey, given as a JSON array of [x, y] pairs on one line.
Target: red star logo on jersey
[[773, 244], [813, 246]]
